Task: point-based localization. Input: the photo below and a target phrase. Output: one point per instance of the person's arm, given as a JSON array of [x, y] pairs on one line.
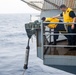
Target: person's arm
[[46, 24], [72, 14], [60, 15], [74, 20], [56, 16]]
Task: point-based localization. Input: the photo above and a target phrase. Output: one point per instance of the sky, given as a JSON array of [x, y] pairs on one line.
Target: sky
[[15, 6]]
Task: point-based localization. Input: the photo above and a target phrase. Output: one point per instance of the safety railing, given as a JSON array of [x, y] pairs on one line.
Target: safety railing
[[43, 35]]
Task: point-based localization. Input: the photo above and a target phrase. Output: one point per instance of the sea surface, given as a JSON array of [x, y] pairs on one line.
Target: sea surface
[[13, 42]]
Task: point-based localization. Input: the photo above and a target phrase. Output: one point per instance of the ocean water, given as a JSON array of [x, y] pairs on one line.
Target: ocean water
[[13, 41]]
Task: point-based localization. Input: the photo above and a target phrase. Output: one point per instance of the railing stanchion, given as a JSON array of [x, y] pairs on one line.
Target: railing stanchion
[[42, 39]]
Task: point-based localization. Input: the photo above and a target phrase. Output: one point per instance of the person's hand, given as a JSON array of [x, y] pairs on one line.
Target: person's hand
[[72, 27], [53, 17]]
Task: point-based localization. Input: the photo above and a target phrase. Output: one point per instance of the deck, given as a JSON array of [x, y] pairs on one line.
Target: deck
[[60, 51]]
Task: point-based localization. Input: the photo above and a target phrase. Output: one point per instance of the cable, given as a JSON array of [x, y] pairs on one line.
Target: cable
[[23, 72]]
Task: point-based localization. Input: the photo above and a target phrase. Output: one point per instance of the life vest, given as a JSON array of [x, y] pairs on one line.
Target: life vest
[[52, 26], [66, 16]]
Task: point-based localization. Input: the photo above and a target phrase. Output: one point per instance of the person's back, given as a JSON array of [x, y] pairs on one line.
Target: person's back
[[52, 26]]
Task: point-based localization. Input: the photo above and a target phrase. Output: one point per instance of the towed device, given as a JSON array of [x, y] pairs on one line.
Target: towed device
[[31, 30]]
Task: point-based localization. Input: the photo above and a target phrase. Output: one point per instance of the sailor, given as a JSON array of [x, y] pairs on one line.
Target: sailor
[[56, 27], [69, 16]]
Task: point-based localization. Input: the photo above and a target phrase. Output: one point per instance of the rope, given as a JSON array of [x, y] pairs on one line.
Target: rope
[[24, 72]]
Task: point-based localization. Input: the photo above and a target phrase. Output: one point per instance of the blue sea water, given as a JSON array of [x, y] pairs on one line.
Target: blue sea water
[[13, 41]]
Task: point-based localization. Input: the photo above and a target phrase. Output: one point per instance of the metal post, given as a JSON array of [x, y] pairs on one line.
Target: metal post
[[50, 39], [42, 39]]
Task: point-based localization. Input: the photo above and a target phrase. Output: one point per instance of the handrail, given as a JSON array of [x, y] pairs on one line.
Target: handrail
[[59, 23], [58, 46], [52, 34], [61, 34]]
